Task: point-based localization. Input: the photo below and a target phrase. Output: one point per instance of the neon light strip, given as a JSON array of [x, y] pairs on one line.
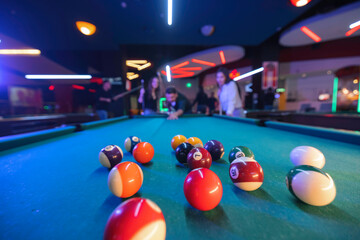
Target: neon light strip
[[249, 74], [20, 52], [310, 34], [334, 100], [144, 66], [188, 69], [132, 76], [170, 5], [355, 24], [180, 65], [39, 76], [203, 62], [136, 61], [163, 72], [162, 109], [185, 75], [351, 31], [78, 87], [358, 108], [222, 57], [168, 73]]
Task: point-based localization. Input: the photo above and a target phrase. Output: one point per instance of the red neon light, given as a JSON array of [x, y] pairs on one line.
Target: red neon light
[[51, 87], [190, 74], [96, 80], [92, 90], [310, 34], [78, 87], [180, 65], [222, 57], [188, 69], [203, 62], [351, 31], [163, 72]]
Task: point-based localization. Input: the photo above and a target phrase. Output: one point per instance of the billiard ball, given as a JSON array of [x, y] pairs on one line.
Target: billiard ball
[[131, 142], [199, 158], [196, 142], [136, 218], [143, 152], [125, 179], [177, 140], [110, 155], [306, 155], [311, 185], [182, 152], [240, 151], [246, 173], [215, 148], [203, 189]]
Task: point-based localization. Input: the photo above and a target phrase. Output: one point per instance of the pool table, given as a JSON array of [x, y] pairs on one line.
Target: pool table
[[53, 186]]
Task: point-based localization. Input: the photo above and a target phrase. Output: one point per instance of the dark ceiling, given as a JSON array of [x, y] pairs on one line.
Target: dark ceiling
[[50, 24]]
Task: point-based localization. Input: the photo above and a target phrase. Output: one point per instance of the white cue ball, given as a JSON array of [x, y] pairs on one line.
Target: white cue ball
[[306, 155]]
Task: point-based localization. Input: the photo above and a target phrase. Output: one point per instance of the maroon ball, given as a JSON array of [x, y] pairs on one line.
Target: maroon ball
[[215, 148], [199, 158]]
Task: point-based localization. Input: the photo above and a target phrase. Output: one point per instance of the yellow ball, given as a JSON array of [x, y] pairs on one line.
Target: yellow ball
[[177, 140], [196, 142]]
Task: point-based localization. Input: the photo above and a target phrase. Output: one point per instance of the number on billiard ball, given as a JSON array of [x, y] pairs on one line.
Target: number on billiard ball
[[110, 155]]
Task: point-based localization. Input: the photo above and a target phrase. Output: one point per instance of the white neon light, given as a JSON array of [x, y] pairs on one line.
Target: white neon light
[[170, 5], [168, 73], [20, 52], [249, 74], [355, 24], [44, 76]]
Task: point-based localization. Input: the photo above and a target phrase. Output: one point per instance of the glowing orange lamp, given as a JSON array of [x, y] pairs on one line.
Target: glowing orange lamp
[[86, 28], [299, 3]]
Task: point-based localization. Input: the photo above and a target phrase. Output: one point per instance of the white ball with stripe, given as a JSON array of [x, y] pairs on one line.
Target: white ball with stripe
[[311, 185]]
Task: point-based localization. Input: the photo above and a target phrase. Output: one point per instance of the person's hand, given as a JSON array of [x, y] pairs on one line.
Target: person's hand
[[142, 91], [173, 116]]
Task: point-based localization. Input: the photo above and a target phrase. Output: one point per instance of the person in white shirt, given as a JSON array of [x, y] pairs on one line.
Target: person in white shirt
[[229, 94]]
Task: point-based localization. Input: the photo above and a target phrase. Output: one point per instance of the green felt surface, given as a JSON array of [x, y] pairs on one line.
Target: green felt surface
[[57, 189], [334, 134]]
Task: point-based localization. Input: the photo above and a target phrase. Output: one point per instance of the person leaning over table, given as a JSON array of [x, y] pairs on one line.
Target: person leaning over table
[[177, 103], [229, 94]]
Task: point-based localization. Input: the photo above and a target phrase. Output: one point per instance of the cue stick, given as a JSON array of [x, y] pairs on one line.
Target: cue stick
[[126, 93]]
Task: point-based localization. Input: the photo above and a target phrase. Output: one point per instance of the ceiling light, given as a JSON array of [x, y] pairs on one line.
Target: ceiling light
[[86, 28]]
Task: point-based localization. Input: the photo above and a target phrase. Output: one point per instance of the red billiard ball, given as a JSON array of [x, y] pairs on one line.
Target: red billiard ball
[[136, 218], [143, 152], [246, 173], [215, 148], [110, 155], [125, 179], [199, 157], [203, 189]]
